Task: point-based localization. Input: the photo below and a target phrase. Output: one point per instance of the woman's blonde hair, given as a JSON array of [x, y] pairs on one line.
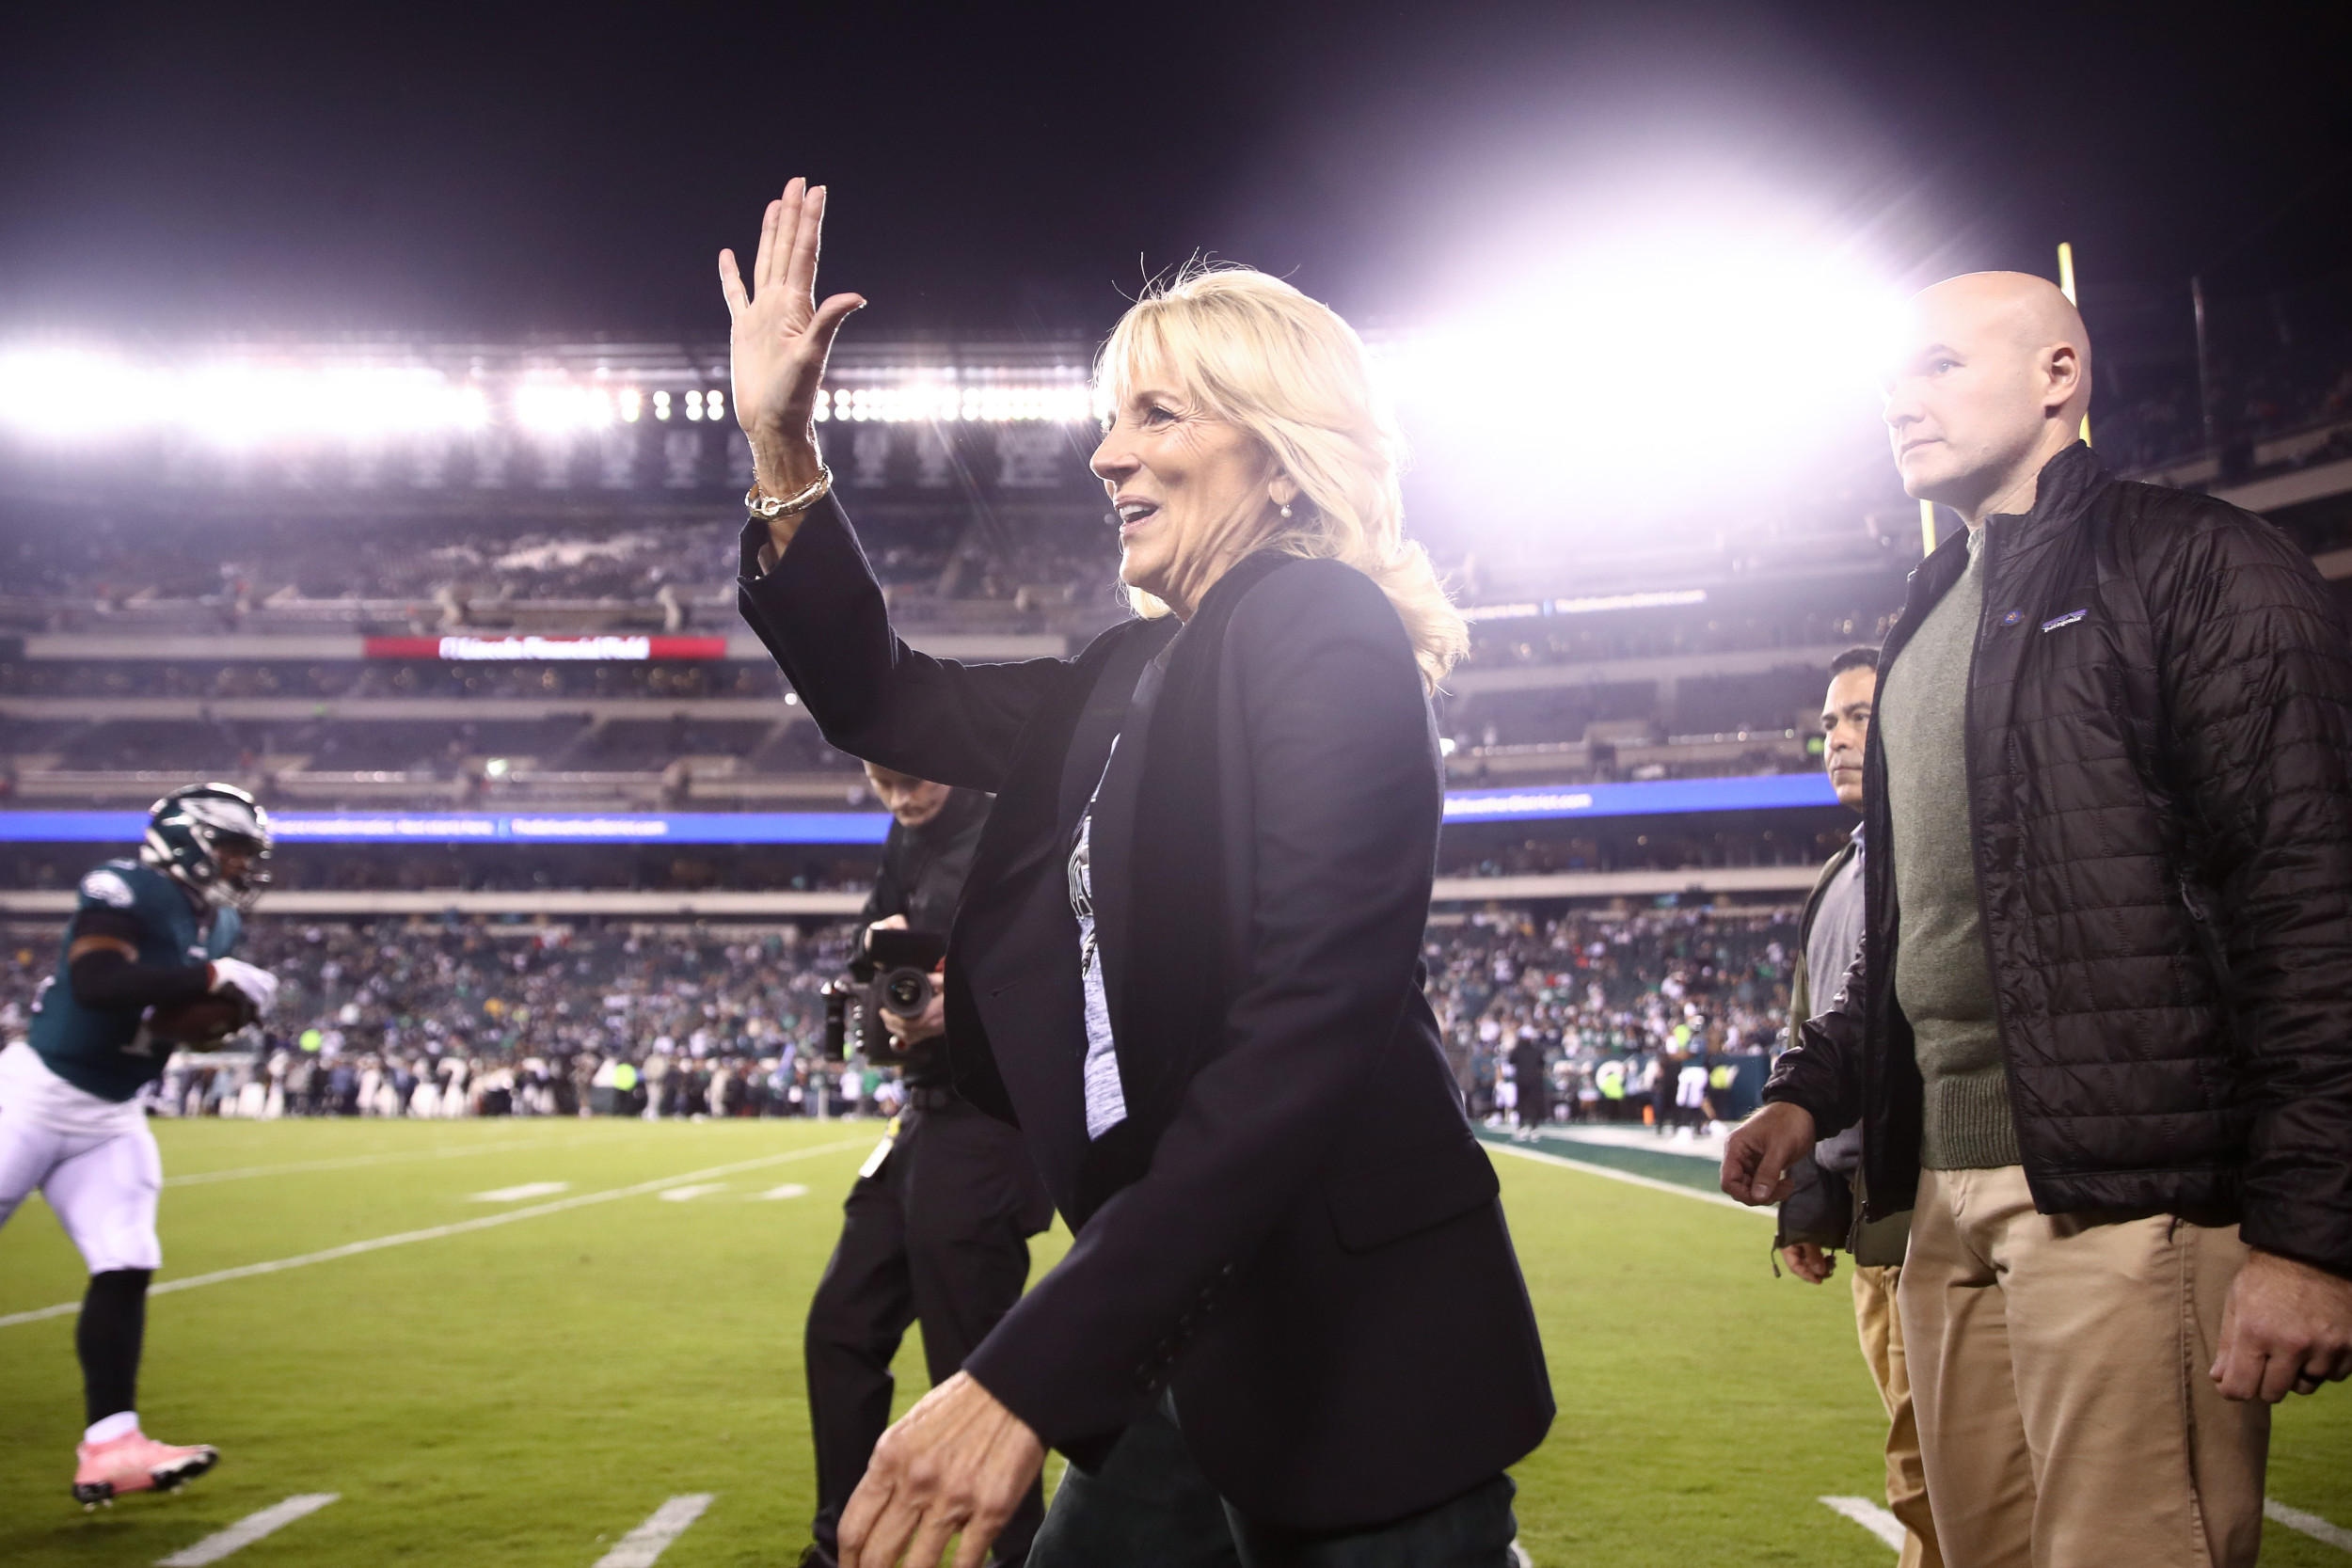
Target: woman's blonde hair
[[1254, 352]]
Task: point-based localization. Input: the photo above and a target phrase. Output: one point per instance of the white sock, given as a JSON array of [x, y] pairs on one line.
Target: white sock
[[120, 1424]]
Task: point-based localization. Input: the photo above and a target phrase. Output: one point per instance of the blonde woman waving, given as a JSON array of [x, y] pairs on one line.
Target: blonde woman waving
[[1290, 1329]]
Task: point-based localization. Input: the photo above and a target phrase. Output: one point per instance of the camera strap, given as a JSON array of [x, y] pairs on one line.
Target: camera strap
[[882, 1152]]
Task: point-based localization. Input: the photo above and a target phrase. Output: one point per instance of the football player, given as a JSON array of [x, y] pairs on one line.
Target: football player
[[144, 967]]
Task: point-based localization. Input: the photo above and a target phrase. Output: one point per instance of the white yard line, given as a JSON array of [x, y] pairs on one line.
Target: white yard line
[[247, 1530], [687, 1195], [515, 1195], [433, 1233], [2310, 1524], [351, 1161], [790, 1189], [1626, 1176], [1870, 1516], [649, 1541]]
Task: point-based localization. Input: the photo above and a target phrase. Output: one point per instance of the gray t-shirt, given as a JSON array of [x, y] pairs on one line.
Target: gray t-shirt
[[1106, 1098], [1940, 979], [1830, 948]]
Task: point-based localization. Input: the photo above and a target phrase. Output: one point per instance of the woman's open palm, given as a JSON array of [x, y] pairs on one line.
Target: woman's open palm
[[781, 335]]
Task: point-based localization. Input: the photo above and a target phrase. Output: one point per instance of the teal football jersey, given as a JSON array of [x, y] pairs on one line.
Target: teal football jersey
[[107, 1050]]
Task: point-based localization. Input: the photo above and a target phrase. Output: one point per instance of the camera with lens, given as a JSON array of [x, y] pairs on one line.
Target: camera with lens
[[891, 974]]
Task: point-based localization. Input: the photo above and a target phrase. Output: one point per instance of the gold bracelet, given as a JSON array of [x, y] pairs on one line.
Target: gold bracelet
[[770, 509]]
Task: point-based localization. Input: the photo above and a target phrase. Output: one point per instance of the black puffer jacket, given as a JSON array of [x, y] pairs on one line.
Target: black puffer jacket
[[2160, 792]]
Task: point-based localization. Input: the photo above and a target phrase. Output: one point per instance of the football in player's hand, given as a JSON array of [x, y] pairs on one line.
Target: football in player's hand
[[203, 1022]]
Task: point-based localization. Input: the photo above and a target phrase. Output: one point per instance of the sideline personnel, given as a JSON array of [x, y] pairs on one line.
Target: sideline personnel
[[1828, 938], [937, 1233], [2098, 1023]]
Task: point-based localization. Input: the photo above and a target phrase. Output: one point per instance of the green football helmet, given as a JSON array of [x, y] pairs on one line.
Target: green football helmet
[[189, 829]]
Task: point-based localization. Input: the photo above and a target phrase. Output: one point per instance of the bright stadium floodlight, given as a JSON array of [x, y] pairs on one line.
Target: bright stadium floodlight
[[65, 394], [561, 408], [1665, 357], [237, 403]]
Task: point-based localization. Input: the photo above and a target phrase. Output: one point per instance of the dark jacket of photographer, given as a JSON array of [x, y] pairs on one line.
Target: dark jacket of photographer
[[921, 877], [1295, 1226]]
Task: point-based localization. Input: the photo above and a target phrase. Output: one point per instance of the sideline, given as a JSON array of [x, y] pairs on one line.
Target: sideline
[[1651, 1183], [2310, 1524], [433, 1233], [247, 1530], [350, 1162], [649, 1541], [1870, 1516]]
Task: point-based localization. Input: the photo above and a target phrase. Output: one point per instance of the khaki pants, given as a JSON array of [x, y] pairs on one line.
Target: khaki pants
[[2059, 1368], [1881, 1330]]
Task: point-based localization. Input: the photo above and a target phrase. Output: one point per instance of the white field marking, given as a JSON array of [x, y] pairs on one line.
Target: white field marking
[[247, 1530], [529, 1189], [197, 1178], [433, 1233], [2310, 1524], [649, 1541], [1870, 1516], [687, 1195], [790, 1189], [1520, 1558], [1626, 1175]]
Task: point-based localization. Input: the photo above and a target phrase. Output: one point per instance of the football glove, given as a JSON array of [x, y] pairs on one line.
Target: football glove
[[255, 984]]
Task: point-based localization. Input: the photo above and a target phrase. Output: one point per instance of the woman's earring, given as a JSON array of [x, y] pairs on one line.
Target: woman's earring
[[1286, 511]]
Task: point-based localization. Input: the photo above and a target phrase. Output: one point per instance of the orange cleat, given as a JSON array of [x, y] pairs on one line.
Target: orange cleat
[[135, 1462]]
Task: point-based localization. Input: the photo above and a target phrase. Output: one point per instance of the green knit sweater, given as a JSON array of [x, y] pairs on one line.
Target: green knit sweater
[[1941, 981]]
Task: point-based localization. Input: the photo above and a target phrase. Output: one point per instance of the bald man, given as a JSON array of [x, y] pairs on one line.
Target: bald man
[[2098, 1027]]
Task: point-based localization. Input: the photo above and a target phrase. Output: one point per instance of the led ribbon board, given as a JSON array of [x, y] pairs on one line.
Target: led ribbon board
[[1541, 802], [516, 649], [1663, 796], [705, 827]]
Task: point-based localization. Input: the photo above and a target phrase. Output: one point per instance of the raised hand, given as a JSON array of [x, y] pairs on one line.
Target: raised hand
[[781, 338]]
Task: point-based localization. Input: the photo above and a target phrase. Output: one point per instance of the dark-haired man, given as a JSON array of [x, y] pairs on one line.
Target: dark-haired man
[[1829, 937], [149, 939], [2097, 1029]]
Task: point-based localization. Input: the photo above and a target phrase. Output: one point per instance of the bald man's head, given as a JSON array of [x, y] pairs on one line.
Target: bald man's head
[[1991, 380]]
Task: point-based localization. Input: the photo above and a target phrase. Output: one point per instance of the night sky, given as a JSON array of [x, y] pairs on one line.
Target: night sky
[[184, 168]]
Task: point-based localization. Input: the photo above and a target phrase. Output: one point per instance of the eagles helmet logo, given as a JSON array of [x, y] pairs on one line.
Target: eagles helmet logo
[[190, 830]]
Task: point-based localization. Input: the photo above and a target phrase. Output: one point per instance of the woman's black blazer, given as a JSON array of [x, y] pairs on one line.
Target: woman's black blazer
[[1295, 1226]]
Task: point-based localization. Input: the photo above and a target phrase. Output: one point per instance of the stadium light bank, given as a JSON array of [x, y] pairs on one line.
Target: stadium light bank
[[362, 394]]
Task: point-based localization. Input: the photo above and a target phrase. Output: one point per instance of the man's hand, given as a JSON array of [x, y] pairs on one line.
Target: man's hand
[[914, 1031], [781, 338], [2286, 1328], [1757, 1157], [929, 1026], [1811, 1263], [959, 1463]]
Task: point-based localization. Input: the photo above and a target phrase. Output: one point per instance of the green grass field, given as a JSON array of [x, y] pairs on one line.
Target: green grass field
[[527, 1392]]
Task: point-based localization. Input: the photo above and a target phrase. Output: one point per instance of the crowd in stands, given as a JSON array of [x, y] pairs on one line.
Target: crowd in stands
[[1618, 1005], [442, 1020]]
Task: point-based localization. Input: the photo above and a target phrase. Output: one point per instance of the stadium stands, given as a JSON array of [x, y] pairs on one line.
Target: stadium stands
[[528, 1004]]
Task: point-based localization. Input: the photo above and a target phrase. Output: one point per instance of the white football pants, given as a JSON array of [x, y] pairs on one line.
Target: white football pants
[[103, 1188]]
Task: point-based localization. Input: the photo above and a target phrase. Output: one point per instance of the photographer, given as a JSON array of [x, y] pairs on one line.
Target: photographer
[[936, 1229]]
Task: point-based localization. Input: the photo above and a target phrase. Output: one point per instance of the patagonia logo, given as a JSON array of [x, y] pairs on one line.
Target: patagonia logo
[[2066, 620], [2013, 617]]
